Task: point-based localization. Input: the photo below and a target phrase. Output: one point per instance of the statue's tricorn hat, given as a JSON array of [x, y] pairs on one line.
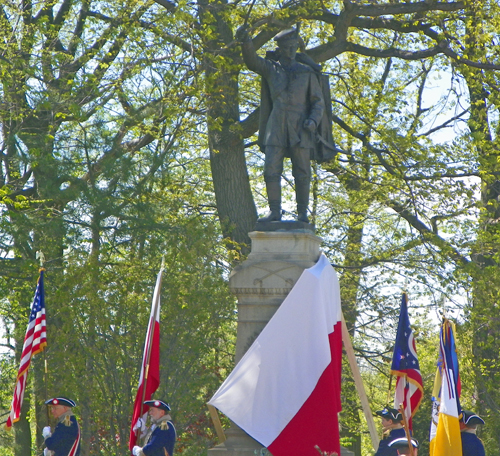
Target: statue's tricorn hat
[[286, 35]]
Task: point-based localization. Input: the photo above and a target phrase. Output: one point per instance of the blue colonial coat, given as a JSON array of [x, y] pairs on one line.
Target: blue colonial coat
[[471, 445], [162, 437], [384, 449], [64, 436]]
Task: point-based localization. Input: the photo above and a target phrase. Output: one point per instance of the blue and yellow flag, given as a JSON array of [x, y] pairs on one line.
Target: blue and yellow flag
[[445, 440]]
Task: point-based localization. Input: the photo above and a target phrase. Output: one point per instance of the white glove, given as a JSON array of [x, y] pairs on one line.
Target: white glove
[[139, 424], [46, 432], [47, 452], [136, 450]]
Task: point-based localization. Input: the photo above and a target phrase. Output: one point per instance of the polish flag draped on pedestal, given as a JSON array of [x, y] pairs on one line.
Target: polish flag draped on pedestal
[[285, 391]]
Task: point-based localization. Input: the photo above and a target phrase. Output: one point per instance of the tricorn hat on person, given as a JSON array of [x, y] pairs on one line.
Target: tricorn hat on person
[[402, 442], [61, 401], [158, 404], [470, 418], [390, 414]]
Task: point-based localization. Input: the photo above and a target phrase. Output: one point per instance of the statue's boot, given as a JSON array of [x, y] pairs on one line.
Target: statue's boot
[[302, 198], [274, 198]]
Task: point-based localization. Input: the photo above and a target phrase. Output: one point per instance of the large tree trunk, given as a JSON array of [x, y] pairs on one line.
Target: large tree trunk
[[485, 271], [235, 204], [41, 228], [349, 286]]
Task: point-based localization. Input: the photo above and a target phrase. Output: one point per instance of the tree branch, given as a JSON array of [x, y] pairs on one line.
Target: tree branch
[[428, 234], [169, 6]]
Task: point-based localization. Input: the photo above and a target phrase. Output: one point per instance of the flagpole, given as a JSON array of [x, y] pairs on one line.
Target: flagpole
[[406, 428], [151, 337], [217, 424], [41, 257], [358, 381], [389, 390]]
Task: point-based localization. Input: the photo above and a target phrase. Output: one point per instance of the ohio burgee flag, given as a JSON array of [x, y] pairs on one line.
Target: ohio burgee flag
[[409, 386]]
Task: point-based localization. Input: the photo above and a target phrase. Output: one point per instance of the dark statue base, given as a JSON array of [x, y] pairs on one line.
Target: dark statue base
[[284, 225]]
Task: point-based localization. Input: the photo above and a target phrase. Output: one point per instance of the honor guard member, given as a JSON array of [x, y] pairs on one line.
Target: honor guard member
[[471, 444], [402, 446], [160, 439], [65, 440], [392, 429]]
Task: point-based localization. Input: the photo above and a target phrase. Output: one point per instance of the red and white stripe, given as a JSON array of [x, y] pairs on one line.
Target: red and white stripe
[[74, 448]]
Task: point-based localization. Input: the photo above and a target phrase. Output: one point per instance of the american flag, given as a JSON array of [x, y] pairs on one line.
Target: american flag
[[34, 342], [409, 386]]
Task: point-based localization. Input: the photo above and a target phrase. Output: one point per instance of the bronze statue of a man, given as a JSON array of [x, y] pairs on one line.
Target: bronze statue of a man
[[293, 120]]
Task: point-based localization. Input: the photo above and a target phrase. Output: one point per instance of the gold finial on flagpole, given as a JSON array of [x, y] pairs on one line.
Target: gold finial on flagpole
[[405, 287], [40, 256]]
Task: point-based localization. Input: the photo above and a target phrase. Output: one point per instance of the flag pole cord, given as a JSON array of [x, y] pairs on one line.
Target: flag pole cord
[[151, 337], [358, 381]]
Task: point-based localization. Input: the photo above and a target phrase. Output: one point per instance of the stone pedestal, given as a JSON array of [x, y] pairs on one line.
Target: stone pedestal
[[261, 283]]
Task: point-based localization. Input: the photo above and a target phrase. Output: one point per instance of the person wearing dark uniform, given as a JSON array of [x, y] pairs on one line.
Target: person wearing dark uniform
[[392, 429], [402, 446], [65, 440], [290, 118], [161, 436], [471, 444]]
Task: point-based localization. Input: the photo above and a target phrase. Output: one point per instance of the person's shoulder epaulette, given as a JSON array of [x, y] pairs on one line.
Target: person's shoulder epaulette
[[164, 425]]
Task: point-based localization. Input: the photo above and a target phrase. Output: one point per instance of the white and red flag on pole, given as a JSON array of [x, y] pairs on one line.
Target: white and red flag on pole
[[409, 386], [149, 378], [285, 391], [35, 341]]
